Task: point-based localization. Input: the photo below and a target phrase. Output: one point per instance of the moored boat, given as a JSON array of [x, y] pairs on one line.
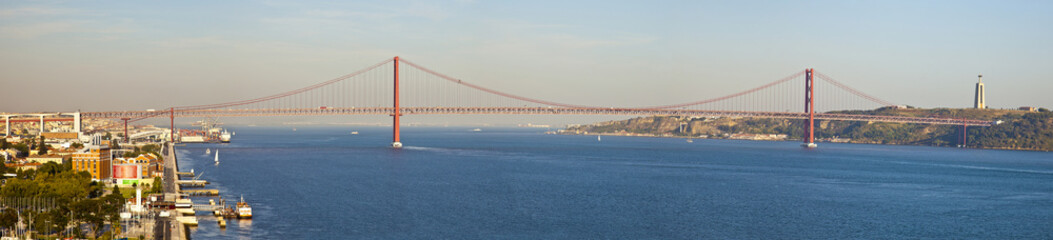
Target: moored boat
[[244, 210]]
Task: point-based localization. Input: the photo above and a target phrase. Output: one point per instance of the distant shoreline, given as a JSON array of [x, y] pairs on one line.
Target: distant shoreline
[[787, 140]]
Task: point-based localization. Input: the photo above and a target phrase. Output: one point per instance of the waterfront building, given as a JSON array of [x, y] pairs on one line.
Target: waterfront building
[[23, 166], [980, 100], [59, 136], [95, 158], [148, 163], [1029, 109], [55, 158], [127, 174]]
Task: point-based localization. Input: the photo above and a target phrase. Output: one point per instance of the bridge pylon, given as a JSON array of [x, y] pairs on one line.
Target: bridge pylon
[[809, 107], [396, 113]]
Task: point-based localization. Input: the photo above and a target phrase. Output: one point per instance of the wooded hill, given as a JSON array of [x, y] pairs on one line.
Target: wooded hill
[[1020, 130]]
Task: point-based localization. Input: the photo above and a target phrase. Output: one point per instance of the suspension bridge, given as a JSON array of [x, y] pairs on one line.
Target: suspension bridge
[[398, 87]]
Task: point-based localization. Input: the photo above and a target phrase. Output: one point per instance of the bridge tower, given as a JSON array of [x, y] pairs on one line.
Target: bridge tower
[[396, 112], [809, 107], [962, 138]]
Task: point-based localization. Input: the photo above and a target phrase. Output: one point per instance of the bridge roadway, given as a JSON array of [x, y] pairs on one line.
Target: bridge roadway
[[524, 111]]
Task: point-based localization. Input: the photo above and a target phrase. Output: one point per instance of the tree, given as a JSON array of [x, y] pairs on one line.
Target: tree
[[156, 187], [49, 169], [4, 144], [1043, 110], [22, 148], [76, 145], [8, 218], [42, 149]]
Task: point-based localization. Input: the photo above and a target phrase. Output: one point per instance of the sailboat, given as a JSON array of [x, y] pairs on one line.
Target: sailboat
[[208, 151], [599, 138], [217, 156]]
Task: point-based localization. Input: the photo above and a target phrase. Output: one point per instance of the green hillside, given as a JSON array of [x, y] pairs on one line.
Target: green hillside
[[1019, 129]]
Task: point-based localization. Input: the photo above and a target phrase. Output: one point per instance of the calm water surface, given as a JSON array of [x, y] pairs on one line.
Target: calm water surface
[[452, 183]]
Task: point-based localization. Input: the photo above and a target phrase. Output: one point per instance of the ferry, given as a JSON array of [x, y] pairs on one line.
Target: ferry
[[244, 210]]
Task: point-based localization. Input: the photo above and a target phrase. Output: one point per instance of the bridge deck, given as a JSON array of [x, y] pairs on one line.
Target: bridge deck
[[526, 111]]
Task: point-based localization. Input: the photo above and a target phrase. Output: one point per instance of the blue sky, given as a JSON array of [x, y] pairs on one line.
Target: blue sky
[[151, 54]]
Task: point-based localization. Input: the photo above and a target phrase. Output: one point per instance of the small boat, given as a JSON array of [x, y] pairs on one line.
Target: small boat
[[208, 151], [293, 129], [217, 156], [244, 210], [599, 138], [354, 133], [477, 130], [690, 141], [183, 202], [222, 223]]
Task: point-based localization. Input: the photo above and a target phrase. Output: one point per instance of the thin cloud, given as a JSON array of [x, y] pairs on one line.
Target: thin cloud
[[34, 30], [37, 11]]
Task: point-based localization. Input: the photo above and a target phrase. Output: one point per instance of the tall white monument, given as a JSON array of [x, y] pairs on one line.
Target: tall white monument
[[979, 101]]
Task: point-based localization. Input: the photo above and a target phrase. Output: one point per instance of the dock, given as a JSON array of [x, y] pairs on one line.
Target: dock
[[201, 192], [192, 183]]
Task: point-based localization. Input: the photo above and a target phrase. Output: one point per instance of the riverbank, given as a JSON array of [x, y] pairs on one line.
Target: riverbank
[[1017, 130], [169, 228]]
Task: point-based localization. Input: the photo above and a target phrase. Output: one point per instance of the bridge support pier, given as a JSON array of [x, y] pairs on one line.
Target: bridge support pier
[[41, 124], [76, 123], [962, 137], [171, 118], [127, 139], [809, 107], [7, 126], [396, 111]]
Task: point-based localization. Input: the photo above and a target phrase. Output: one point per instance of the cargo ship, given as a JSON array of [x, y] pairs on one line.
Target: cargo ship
[[210, 133]]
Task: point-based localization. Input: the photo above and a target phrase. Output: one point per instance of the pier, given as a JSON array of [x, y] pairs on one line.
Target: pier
[[201, 192], [191, 183]]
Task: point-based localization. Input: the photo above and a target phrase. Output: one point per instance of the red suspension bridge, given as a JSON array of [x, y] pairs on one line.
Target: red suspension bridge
[[397, 87]]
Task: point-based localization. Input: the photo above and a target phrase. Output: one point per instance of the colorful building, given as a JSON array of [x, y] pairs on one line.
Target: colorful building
[[127, 174], [95, 159], [149, 164]]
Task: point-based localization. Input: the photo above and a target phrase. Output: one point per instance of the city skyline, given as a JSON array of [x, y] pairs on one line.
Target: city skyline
[[133, 56]]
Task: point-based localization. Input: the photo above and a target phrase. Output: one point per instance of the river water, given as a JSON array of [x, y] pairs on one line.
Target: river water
[[516, 183]]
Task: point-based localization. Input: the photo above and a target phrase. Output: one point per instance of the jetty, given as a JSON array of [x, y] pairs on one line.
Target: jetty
[[201, 192], [191, 183]]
